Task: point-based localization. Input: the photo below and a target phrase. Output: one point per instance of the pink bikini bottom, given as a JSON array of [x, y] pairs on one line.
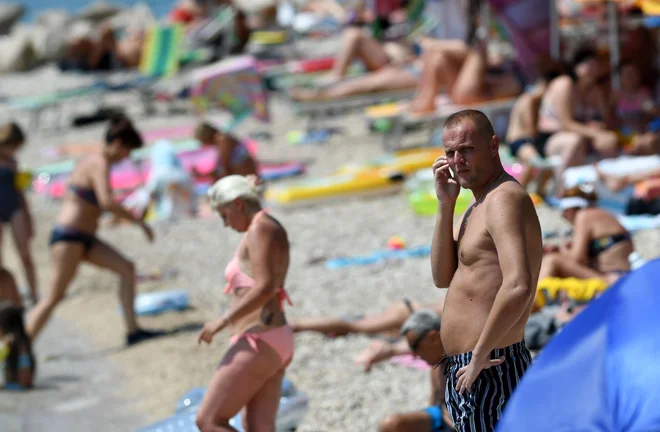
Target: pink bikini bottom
[[280, 339]]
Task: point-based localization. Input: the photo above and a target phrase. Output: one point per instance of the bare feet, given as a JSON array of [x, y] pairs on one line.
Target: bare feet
[[421, 105], [328, 80], [375, 353]]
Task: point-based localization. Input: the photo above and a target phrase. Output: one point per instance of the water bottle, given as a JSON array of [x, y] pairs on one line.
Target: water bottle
[[636, 261]]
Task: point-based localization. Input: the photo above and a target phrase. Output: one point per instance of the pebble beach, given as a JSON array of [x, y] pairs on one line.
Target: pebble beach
[[150, 377]]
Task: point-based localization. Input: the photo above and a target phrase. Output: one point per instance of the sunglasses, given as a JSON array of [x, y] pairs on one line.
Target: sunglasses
[[415, 344]]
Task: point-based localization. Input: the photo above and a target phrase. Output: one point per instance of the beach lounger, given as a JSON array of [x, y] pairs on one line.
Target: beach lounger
[[622, 165], [319, 111], [162, 57], [498, 112]]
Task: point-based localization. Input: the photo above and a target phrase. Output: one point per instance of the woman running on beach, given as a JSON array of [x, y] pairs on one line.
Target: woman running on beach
[[251, 372], [233, 155], [73, 239], [15, 210]]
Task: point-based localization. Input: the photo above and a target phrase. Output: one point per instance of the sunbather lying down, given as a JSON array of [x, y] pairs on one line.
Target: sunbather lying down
[[101, 51], [387, 322], [446, 65], [388, 78]]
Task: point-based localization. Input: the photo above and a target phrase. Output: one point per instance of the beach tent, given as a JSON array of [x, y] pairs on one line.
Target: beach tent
[[600, 372]]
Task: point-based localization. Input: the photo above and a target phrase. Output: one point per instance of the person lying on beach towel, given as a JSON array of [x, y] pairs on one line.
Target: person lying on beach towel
[[638, 205], [599, 248], [421, 338], [548, 321], [387, 321], [15, 349], [359, 44], [15, 210], [90, 50], [393, 65], [463, 72], [234, 157]]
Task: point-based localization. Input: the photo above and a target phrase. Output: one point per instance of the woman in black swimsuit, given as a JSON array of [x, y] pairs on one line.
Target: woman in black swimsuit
[[600, 246], [14, 210], [73, 239]]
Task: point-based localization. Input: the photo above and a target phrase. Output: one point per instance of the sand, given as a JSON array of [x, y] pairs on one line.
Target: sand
[[155, 374]]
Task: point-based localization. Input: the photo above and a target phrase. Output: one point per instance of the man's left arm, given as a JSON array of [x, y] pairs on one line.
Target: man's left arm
[[506, 225]]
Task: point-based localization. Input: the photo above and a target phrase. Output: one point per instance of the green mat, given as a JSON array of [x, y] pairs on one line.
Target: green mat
[[52, 98]]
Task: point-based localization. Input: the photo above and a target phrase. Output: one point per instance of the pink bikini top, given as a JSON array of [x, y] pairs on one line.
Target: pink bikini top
[[236, 278]]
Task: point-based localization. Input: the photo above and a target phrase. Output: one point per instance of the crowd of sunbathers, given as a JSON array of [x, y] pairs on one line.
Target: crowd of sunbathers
[[569, 113]]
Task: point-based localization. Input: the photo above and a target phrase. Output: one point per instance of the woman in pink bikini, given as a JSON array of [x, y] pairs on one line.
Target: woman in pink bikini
[[251, 372]]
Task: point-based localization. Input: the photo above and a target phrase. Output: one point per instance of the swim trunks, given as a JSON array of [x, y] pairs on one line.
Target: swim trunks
[[482, 407], [437, 422]]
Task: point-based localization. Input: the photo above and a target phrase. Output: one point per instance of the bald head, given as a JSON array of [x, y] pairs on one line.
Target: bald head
[[482, 126], [472, 149]]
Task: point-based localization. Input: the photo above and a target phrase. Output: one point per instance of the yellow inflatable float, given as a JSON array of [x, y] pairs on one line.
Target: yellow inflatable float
[[580, 290], [380, 175], [23, 180]]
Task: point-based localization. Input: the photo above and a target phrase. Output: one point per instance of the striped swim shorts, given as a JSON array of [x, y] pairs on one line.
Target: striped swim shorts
[[480, 409]]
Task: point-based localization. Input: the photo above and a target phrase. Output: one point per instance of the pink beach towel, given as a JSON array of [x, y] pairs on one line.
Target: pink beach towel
[[410, 361]]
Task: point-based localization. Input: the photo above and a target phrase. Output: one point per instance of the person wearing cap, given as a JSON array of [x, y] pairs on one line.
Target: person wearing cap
[[421, 338], [599, 248]]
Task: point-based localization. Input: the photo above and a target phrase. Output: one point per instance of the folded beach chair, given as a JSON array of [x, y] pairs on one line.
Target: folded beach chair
[[497, 110]]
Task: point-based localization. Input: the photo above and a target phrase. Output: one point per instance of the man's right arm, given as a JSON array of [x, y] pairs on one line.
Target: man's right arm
[[443, 248]]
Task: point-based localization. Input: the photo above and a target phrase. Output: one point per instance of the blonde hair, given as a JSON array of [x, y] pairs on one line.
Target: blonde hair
[[232, 187], [11, 135]]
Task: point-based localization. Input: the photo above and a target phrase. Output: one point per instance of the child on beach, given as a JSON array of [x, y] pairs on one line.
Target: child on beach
[[8, 290], [15, 348], [635, 108], [15, 210], [233, 157]]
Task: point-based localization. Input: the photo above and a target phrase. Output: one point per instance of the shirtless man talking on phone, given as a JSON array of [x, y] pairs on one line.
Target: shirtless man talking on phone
[[491, 266]]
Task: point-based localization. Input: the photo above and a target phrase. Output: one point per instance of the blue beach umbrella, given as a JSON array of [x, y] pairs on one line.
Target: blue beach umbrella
[[602, 372]]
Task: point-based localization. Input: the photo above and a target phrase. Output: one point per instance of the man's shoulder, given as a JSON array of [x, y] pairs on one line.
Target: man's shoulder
[[509, 191], [507, 197]]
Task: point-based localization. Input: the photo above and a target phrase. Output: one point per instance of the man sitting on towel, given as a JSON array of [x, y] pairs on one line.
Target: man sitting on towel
[[421, 332]]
